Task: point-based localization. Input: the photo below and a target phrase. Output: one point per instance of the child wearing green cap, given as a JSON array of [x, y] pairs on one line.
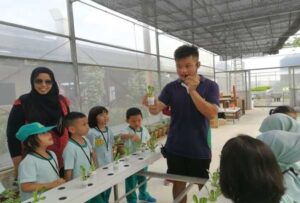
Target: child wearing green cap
[[39, 169]]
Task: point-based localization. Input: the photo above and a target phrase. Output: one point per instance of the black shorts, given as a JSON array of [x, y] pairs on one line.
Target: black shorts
[[187, 167]]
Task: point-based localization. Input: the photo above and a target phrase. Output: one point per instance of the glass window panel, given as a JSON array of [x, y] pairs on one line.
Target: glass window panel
[[115, 89], [206, 58], [107, 56], [45, 15], [167, 64], [15, 81], [167, 77], [167, 45], [111, 29], [24, 43]]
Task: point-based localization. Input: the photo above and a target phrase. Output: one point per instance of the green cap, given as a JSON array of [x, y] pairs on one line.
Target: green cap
[[31, 129]]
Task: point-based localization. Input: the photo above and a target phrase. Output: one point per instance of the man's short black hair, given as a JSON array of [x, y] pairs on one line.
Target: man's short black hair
[[186, 51], [71, 117], [133, 112]]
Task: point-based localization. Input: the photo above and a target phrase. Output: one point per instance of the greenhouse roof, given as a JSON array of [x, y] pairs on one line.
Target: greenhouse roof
[[230, 28]]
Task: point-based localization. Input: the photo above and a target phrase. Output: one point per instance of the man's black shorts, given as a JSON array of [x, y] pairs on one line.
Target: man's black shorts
[[188, 167]]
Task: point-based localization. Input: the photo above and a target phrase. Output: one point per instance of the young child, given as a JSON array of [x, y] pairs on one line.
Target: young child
[[131, 136], [39, 169], [78, 151], [101, 139]]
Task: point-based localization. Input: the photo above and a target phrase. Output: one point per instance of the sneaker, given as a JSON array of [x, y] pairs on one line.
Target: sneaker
[[149, 199]]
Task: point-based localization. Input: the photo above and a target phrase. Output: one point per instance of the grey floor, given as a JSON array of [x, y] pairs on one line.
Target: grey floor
[[247, 124]]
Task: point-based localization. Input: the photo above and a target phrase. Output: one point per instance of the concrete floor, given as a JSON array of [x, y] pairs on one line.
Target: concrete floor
[[247, 124]]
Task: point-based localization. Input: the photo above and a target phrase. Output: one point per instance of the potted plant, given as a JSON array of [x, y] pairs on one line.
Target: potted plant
[[152, 143], [126, 154], [37, 195], [116, 162], [10, 196], [215, 191], [93, 169], [150, 95], [83, 176]]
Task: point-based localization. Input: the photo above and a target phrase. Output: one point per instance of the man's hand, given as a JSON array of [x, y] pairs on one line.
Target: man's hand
[[153, 109], [192, 82]]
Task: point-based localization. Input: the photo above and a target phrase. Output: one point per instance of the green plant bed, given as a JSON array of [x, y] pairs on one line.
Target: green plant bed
[[260, 88], [10, 196]]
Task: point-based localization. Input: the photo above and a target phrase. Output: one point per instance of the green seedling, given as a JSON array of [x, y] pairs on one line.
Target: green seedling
[[117, 157], [10, 196], [37, 195], [150, 91], [152, 143], [126, 151], [215, 192], [83, 173], [199, 200]]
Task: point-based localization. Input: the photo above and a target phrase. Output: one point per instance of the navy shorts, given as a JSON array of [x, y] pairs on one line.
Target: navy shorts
[[187, 167]]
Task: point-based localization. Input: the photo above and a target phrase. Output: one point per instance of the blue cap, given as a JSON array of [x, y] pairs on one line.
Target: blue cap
[[31, 129]]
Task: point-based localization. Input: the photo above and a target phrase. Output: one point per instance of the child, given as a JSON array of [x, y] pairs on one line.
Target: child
[[132, 135], [288, 110], [102, 140], [249, 172], [39, 169], [78, 151]]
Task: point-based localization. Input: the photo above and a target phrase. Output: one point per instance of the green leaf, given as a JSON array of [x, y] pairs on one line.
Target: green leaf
[[195, 199]]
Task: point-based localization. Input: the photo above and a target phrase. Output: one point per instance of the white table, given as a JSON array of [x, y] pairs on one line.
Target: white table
[[106, 177]]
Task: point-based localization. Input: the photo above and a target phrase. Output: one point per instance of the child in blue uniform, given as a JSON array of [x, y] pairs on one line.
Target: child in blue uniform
[[39, 169], [101, 139], [132, 135], [78, 151]]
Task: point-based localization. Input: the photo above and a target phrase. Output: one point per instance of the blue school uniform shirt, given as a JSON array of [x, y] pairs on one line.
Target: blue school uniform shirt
[[188, 132], [142, 132], [34, 168], [102, 143], [74, 156]]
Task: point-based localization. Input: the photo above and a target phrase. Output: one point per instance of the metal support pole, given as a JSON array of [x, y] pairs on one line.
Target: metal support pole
[[116, 192], [214, 67], [168, 176], [157, 48], [74, 52], [131, 191]]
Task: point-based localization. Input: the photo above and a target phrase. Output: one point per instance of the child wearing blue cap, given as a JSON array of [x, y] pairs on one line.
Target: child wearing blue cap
[[39, 169], [102, 140]]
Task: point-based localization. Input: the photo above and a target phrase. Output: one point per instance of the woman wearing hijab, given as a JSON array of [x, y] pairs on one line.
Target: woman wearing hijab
[[280, 121], [286, 148], [42, 104]]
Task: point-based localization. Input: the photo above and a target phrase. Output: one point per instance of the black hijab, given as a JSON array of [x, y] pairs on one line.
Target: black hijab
[[42, 108]]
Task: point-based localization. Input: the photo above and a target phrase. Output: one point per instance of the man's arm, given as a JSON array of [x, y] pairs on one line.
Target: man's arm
[[207, 109]]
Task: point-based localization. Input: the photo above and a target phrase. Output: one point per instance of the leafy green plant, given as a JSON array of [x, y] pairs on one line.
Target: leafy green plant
[[83, 173], [126, 151], [215, 191], [152, 143], [150, 91], [93, 168], [10, 196], [37, 195], [117, 157], [199, 200]]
